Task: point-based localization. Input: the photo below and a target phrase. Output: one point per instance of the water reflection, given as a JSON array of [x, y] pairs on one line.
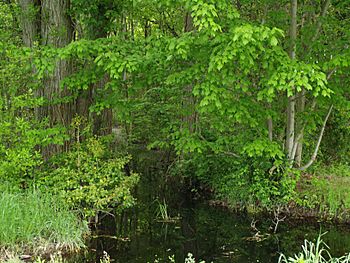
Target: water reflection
[[212, 234]]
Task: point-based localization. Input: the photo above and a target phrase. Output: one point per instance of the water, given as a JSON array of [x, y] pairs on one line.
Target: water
[[209, 233]]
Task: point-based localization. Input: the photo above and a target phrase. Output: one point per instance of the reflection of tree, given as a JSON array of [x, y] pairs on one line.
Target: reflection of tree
[[188, 228]]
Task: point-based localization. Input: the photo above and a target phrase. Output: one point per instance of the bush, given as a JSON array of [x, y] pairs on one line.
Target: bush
[[20, 140], [260, 176], [89, 179]]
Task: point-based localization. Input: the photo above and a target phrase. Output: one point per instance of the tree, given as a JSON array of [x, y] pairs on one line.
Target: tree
[[251, 81]]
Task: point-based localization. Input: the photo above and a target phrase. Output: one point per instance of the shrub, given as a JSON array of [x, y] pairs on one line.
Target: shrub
[[89, 179]]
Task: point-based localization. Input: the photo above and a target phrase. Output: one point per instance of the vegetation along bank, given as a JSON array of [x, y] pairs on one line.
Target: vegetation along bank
[[247, 99]]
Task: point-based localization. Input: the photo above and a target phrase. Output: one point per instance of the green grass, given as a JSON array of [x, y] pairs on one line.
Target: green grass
[[335, 170], [36, 223], [327, 189]]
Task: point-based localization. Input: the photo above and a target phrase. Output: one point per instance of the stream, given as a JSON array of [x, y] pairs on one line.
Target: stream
[[213, 234]]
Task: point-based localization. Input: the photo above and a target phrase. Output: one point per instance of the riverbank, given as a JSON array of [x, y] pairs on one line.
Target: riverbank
[[35, 224], [320, 195], [54, 228]]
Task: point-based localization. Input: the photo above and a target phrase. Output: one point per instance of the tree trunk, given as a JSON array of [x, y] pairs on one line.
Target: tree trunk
[[290, 133], [302, 97], [299, 142], [189, 118], [301, 101], [317, 147], [30, 24], [188, 22], [30, 21], [56, 31], [102, 122], [270, 125]]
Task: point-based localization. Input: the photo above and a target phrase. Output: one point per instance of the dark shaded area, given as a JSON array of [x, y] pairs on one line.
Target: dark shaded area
[[209, 233]]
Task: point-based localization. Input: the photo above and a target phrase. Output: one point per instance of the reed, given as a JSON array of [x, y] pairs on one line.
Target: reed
[[317, 252], [36, 223]]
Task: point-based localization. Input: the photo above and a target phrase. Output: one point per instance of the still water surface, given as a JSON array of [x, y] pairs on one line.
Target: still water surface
[[211, 234]]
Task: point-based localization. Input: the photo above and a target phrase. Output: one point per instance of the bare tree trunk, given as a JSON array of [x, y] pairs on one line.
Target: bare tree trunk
[[302, 97], [290, 133], [56, 25], [270, 127], [317, 147], [188, 22], [299, 142]]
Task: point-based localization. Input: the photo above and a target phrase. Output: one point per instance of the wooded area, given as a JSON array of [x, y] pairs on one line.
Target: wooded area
[[246, 99]]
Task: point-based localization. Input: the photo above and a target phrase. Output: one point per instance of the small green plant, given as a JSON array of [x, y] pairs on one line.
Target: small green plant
[[20, 141], [56, 258], [329, 195], [162, 211], [171, 259], [106, 258], [314, 253]]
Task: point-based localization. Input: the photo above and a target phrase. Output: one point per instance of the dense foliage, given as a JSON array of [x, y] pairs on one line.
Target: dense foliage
[[241, 95]]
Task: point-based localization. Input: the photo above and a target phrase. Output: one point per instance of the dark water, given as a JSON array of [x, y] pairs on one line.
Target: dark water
[[209, 233], [212, 234]]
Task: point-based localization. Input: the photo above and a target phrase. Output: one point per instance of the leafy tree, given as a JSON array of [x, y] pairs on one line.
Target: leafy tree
[[256, 83]]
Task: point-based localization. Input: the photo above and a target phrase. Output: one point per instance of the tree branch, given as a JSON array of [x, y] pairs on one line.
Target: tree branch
[[318, 27], [232, 154], [314, 155], [319, 22], [330, 74]]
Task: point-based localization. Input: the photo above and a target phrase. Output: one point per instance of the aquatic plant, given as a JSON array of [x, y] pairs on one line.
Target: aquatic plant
[[314, 253], [162, 211], [171, 259], [191, 259]]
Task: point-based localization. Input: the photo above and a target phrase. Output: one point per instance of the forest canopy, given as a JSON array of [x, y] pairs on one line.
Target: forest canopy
[[240, 95]]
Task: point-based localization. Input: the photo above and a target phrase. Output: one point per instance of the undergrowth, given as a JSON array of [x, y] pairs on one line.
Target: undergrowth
[[327, 191], [36, 223]]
